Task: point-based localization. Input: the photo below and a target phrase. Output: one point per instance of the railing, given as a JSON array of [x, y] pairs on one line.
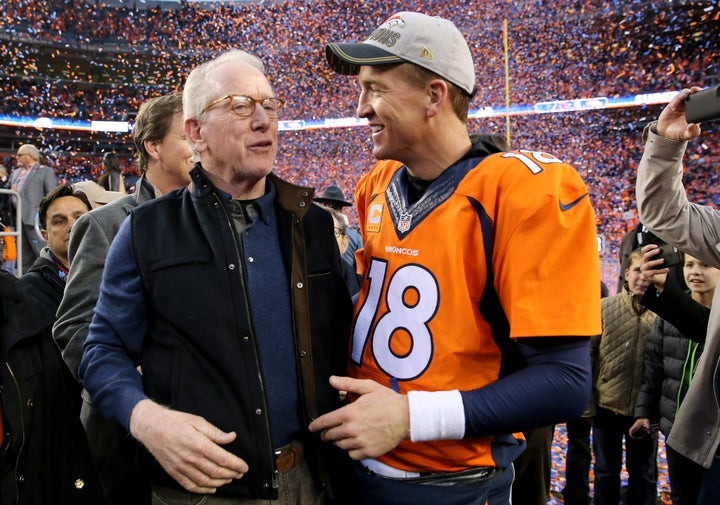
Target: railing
[[18, 228]]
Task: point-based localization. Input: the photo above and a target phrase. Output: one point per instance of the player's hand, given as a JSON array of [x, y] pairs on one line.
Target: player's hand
[[671, 122], [187, 447], [375, 423], [650, 264]]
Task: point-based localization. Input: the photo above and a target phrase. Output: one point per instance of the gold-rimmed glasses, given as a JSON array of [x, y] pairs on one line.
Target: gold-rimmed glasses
[[244, 106]]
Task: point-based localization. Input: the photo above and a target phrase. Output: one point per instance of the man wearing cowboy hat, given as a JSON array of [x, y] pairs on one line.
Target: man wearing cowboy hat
[[333, 198]]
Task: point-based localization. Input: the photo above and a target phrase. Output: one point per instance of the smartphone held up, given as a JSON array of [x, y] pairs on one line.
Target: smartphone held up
[[670, 255], [703, 105]]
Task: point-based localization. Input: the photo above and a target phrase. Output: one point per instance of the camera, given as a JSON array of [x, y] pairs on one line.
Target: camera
[[703, 105], [670, 254]]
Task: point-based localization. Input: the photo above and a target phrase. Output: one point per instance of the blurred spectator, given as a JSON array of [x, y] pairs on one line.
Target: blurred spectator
[[352, 280], [617, 357], [578, 455], [33, 181], [58, 212], [111, 179], [333, 198]]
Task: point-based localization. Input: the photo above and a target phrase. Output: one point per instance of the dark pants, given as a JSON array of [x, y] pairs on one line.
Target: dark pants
[[368, 488], [685, 478], [641, 461], [577, 463], [710, 485], [532, 468]]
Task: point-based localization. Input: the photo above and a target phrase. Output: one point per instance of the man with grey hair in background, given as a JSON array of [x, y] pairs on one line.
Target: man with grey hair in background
[[33, 181], [229, 295]]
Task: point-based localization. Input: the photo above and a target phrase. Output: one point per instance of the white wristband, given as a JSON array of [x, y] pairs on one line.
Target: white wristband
[[436, 415]]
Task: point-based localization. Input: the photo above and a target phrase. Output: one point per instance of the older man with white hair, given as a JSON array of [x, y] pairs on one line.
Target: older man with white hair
[[230, 295], [33, 181]]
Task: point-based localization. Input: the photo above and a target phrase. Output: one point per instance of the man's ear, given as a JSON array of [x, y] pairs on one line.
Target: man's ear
[[437, 95], [194, 134], [151, 146], [44, 234]]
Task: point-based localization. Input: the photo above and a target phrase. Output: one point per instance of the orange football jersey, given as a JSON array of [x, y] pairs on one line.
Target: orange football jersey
[[496, 248]]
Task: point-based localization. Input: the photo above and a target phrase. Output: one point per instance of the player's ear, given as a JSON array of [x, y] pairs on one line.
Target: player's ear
[[437, 94]]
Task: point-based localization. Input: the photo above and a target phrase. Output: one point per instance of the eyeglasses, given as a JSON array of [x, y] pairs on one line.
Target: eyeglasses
[[339, 232], [244, 106], [20, 155]]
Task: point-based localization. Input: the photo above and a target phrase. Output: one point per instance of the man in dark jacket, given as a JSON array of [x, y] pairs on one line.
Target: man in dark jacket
[[44, 457], [229, 295], [57, 212]]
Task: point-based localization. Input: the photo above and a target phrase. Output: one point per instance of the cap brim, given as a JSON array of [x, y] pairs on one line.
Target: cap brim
[[349, 57]]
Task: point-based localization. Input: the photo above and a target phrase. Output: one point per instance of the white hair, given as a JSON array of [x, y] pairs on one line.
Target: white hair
[[199, 90], [30, 150]]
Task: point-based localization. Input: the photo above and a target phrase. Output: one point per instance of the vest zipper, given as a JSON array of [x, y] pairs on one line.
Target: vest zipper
[[241, 268]]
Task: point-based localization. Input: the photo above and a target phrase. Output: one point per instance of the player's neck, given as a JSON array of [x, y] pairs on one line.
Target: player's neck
[[434, 157]]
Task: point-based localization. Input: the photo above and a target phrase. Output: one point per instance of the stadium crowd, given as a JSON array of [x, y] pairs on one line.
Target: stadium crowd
[[115, 58]]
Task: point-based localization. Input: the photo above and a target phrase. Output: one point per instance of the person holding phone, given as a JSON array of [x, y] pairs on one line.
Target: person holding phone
[[671, 358], [695, 229]]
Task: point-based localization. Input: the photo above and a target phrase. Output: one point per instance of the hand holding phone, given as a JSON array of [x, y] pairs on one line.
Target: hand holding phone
[[670, 255], [703, 105]]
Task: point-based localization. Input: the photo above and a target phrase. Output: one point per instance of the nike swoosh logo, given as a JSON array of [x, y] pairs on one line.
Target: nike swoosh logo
[[567, 206]]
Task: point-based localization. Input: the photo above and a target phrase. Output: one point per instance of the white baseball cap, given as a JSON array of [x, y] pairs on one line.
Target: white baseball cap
[[431, 42]]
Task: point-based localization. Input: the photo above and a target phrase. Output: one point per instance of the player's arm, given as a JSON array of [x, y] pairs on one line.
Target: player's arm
[[552, 388]]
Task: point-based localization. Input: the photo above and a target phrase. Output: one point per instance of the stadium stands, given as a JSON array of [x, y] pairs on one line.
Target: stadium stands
[[88, 61]]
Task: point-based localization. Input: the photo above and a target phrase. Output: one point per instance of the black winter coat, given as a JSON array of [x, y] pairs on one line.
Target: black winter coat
[[44, 458], [45, 282], [670, 357]]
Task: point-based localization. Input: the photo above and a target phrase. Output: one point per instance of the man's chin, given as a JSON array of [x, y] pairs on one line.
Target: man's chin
[[379, 153]]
